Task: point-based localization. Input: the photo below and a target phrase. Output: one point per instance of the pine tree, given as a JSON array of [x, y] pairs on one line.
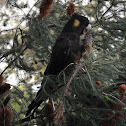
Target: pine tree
[[94, 94]]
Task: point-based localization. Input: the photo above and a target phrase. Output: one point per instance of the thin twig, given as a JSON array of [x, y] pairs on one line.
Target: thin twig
[[107, 10], [13, 61], [103, 13], [70, 80]]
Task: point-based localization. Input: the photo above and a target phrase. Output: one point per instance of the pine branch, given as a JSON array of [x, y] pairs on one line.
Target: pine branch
[[26, 119], [13, 61], [114, 98], [60, 111], [107, 9], [70, 80], [11, 51]]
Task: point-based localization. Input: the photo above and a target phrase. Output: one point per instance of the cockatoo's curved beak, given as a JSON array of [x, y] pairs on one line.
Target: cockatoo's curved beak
[[88, 28]]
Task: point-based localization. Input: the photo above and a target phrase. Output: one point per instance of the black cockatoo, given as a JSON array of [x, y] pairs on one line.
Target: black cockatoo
[[67, 49]]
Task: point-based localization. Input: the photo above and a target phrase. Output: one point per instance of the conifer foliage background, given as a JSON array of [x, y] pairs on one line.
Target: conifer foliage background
[[97, 91]]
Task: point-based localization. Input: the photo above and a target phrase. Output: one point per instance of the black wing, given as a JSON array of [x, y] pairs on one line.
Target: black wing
[[60, 56]]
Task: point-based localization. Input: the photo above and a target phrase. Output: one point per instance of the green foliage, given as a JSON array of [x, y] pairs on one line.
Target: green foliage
[[28, 48]]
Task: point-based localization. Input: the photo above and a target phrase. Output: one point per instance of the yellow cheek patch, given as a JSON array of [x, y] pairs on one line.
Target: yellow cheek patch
[[76, 23]]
